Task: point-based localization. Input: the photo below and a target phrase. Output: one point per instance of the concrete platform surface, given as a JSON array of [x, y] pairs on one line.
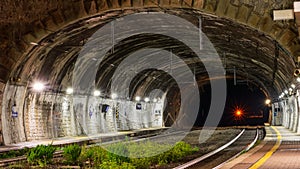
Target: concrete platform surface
[[279, 150]]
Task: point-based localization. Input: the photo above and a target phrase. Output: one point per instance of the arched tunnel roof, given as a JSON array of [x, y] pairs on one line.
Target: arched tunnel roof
[[45, 44]]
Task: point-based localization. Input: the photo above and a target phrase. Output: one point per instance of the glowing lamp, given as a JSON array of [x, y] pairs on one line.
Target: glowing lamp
[[286, 92], [69, 91], [147, 99], [38, 86], [137, 98], [268, 101], [97, 93], [238, 113]]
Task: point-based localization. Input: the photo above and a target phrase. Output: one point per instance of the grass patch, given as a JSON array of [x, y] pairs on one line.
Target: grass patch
[[135, 155], [41, 155], [14, 153], [126, 155], [71, 153]]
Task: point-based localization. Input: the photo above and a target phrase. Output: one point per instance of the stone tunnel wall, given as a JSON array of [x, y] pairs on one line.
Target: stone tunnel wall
[[22, 25], [2, 89], [49, 115], [23, 22], [286, 113], [12, 112]]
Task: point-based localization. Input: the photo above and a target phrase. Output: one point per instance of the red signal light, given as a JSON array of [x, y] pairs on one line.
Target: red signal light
[[238, 112]]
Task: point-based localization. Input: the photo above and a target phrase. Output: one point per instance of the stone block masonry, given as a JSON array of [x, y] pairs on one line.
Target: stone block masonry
[[51, 115]]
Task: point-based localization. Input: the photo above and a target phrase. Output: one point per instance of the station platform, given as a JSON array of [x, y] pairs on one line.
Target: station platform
[[87, 140], [279, 150]]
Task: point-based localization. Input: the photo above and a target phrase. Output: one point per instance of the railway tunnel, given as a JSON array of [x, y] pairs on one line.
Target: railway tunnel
[[71, 68]]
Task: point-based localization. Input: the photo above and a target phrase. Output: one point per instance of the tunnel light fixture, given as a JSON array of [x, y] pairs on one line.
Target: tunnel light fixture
[[268, 101], [155, 100], [69, 90], [34, 43], [38, 86], [290, 89], [137, 98], [282, 95], [298, 79], [293, 86], [147, 99], [286, 92], [97, 93], [114, 96]]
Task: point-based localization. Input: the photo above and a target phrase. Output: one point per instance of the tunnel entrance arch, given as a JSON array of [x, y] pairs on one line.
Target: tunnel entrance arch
[[91, 9]]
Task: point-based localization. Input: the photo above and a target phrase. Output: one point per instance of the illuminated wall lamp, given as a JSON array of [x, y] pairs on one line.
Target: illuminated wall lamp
[[147, 99], [97, 93], [69, 91], [268, 101], [38, 86], [137, 98], [286, 92]]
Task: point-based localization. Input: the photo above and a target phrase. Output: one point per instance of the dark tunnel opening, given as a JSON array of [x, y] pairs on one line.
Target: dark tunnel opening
[[243, 96]]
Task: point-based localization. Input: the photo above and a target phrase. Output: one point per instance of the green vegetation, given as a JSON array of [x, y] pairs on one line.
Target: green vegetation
[[115, 165], [126, 155], [163, 154], [135, 155], [118, 152], [71, 153], [16, 166], [14, 153], [41, 155]]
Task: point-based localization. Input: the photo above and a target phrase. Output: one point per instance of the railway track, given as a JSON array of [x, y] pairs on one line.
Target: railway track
[[236, 146], [243, 142]]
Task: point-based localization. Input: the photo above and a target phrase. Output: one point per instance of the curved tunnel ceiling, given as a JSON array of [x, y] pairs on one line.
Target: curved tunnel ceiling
[[155, 41], [253, 55]]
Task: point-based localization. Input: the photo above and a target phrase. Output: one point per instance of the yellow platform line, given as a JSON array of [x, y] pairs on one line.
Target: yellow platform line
[[269, 153]]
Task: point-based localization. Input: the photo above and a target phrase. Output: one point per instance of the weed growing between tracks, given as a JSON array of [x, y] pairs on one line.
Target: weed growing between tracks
[[14, 153], [71, 154], [41, 155], [144, 155]]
